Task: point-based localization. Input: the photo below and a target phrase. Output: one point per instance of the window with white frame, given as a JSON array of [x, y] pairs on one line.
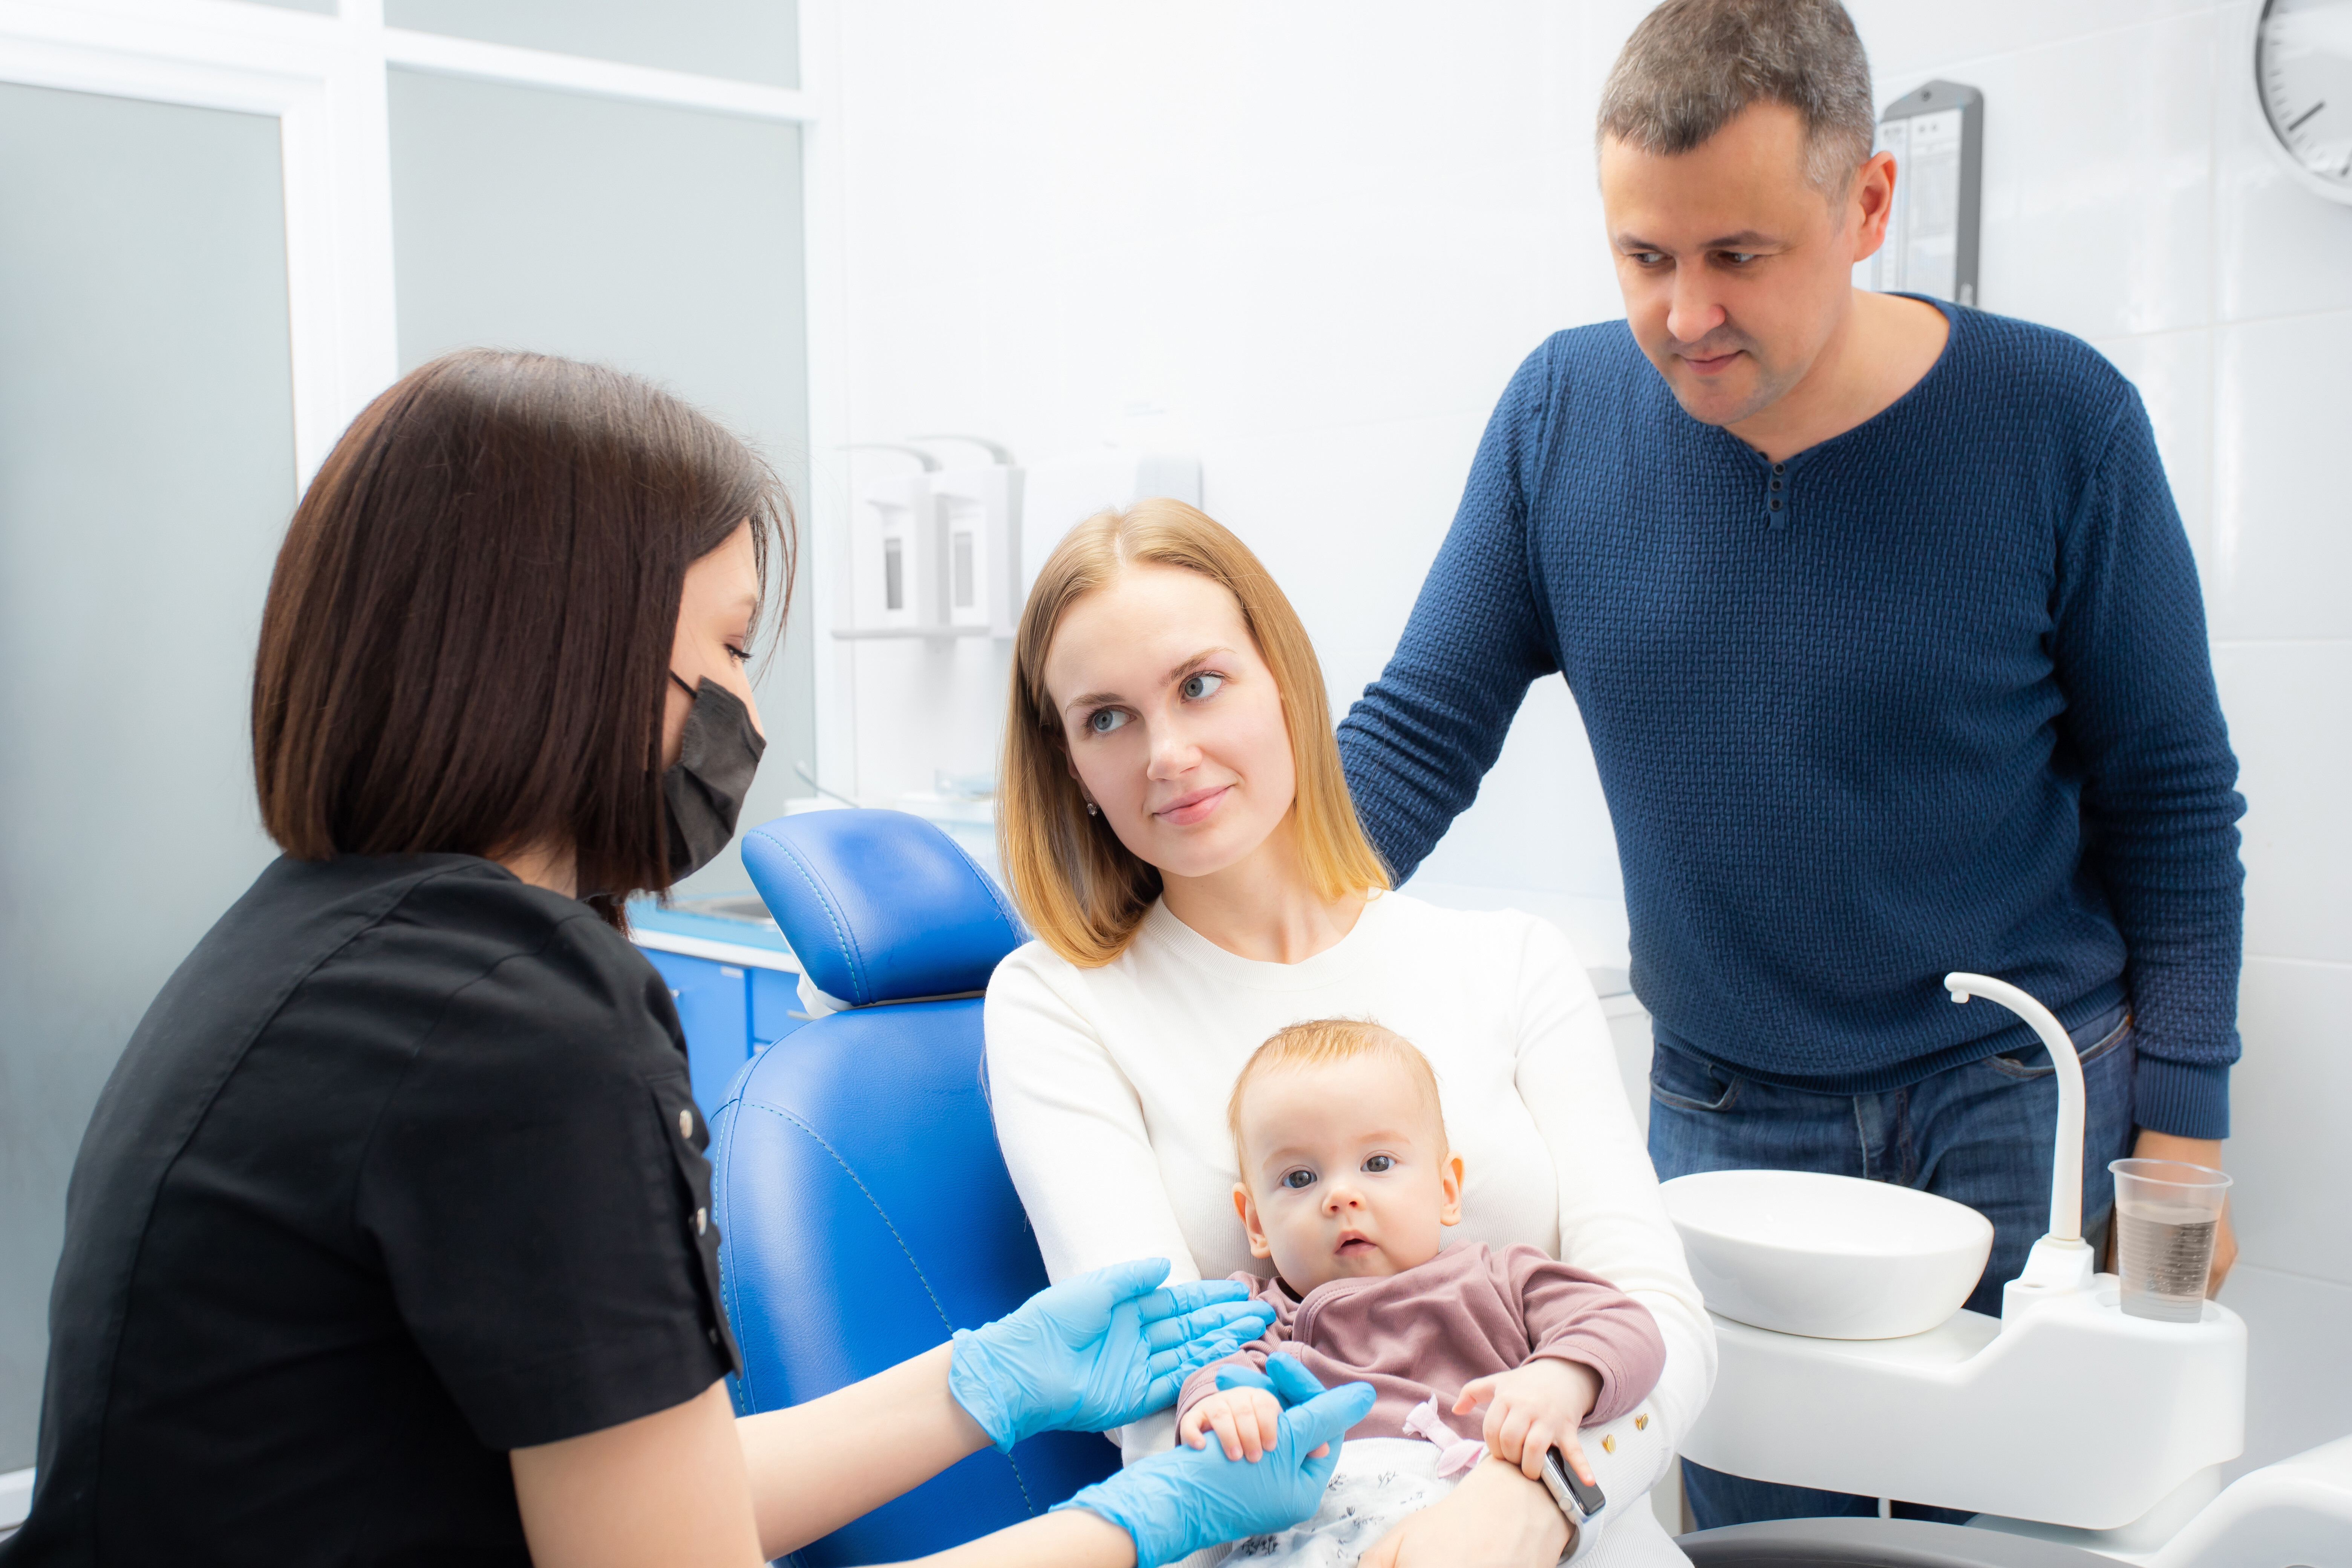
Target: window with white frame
[[225, 224]]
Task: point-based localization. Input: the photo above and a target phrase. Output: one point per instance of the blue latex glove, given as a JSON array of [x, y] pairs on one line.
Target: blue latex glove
[[1173, 1504], [1099, 1350], [1290, 1391]]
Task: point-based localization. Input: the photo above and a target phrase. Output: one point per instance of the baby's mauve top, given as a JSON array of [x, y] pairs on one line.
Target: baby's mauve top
[[1468, 1312]]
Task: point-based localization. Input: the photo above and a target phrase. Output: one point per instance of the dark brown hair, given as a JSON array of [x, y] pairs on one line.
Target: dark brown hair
[[467, 636], [1693, 65]]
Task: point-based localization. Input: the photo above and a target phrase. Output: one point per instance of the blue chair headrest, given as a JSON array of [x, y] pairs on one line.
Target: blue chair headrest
[[880, 906]]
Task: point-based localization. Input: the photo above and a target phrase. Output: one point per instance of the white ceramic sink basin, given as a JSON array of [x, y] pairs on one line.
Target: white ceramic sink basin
[[1829, 1256]]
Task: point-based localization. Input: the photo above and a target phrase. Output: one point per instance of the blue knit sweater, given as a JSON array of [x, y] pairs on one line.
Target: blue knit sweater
[[1932, 695]]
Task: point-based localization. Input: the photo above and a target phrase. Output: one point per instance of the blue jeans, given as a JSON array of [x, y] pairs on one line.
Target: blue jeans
[[1978, 1134]]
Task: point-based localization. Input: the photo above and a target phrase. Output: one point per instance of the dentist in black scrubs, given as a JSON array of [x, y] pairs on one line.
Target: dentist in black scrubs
[[389, 1240]]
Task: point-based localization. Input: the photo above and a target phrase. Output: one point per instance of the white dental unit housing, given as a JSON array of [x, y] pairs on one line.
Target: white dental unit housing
[[1847, 1364]]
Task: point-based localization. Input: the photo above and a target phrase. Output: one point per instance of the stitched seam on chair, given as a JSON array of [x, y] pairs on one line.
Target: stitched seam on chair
[[880, 1212], [1019, 1480], [841, 934], [1004, 910]]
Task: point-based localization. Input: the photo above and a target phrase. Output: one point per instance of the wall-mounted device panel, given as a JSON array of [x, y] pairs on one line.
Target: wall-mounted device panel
[[979, 547], [898, 582], [938, 551], [1936, 134]]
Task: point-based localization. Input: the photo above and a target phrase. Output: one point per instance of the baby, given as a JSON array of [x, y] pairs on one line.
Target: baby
[[1347, 1185]]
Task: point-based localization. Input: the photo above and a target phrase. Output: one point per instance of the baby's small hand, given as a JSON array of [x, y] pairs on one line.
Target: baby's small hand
[[1244, 1420], [1535, 1408]]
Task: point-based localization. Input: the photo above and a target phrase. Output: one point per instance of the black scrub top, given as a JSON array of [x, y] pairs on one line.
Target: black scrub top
[[400, 1172]]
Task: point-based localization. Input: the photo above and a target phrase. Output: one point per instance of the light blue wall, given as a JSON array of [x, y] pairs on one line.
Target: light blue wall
[[146, 474], [665, 241]]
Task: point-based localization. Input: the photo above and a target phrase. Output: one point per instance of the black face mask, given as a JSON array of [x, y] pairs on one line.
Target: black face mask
[[703, 791]]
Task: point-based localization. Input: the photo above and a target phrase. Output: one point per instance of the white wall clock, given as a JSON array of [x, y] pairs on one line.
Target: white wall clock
[[2302, 76]]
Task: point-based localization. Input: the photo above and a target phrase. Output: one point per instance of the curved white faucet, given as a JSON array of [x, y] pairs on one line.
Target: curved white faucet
[[2066, 1169]]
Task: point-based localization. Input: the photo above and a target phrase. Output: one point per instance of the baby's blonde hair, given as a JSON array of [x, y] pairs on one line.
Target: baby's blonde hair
[[1319, 1042]]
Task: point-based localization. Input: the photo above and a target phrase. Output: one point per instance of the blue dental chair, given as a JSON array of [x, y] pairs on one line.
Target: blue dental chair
[[864, 1210]]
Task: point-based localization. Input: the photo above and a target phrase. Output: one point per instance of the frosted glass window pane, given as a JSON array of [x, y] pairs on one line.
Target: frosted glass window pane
[[146, 473], [745, 40], [665, 241]]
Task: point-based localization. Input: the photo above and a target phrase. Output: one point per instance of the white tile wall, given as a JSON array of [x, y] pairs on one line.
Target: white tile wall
[[2289, 1202], [1922, 40], [2295, 772], [1310, 242], [2281, 547]]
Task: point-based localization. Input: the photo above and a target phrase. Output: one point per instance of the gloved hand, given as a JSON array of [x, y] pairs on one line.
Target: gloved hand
[[1295, 1384], [1098, 1349], [1173, 1504]]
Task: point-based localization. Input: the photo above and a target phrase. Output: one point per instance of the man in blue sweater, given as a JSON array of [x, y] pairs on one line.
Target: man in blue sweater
[[1889, 643]]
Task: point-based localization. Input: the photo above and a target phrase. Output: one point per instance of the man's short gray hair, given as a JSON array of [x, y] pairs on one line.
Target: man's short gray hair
[[1693, 65]]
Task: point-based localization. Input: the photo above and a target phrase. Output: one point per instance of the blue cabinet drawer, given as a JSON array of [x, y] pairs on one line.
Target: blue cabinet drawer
[[714, 1009], [729, 1011], [775, 1005], [731, 974]]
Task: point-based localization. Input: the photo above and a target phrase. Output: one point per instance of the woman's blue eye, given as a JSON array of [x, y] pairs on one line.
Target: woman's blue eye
[[1103, 720], [1199, 685], [1380, 1163], [1297, 1179]]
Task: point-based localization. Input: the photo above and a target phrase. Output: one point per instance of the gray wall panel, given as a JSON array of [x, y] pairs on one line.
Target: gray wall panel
[[665, 241], [744, 40], [146, 473]]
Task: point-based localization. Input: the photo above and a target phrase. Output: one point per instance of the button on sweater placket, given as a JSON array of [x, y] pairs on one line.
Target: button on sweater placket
[[1776, 495]]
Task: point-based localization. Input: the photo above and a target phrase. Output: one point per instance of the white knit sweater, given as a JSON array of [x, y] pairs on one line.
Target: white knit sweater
[[1110, 1088]]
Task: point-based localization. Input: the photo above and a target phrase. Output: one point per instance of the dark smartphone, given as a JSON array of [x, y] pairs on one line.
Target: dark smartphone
[[1576, 1500]]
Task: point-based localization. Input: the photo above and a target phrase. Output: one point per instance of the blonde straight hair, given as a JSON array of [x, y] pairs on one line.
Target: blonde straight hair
[[1319, 1042], [1082, 890]]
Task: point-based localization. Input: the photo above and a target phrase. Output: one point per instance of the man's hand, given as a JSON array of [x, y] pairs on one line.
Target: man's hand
[[2205, 1151], [1533, 1407], [1496, 1518], [1242, 1419]]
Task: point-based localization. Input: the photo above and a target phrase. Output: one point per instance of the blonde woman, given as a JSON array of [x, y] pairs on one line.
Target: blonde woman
[[1176, 830]]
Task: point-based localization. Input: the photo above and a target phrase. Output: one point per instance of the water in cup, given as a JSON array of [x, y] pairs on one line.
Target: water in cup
[[2171, 1248], [2166, 1214]]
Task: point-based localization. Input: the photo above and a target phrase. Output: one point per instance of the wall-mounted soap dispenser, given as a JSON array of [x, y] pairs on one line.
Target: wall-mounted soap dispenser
[[979, 541], [938, 550], [934, 550], [894, 558]]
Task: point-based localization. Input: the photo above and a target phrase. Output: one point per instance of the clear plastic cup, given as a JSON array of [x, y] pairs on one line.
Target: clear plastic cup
[[2166, 1214]]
